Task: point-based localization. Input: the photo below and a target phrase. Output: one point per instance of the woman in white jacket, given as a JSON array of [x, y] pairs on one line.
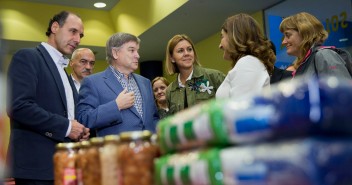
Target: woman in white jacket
[[253, 60]]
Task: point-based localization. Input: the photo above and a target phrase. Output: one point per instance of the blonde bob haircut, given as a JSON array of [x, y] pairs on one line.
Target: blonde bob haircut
[[171, 67], [162, 79], [310, 29]]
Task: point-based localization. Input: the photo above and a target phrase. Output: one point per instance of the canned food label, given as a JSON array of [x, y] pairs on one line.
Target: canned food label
[[173, 135], [199, 172], [119, 177], [256, 172], [79, 177], [188, 130], [170, 175], [202, 128], [185, 175], [250, 124], [70, 177]]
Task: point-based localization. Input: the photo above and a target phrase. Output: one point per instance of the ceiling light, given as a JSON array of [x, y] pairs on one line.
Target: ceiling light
[[99, 5]]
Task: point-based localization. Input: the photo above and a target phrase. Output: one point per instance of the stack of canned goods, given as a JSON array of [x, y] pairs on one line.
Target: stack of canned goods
[[127, 158]]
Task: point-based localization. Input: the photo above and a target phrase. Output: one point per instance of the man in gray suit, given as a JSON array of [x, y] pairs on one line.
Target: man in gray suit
[[118, 100]]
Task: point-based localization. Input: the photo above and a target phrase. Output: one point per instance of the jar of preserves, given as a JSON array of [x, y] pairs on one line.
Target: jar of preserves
[[155, 141], [136, 157], [111, 175], [64, 164], [92, 172], [81, 161]]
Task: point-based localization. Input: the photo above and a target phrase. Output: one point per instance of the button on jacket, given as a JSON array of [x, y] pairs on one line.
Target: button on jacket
[[38, 113]]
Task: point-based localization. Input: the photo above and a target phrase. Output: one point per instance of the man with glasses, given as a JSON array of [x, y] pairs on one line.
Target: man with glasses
[[82, 64]]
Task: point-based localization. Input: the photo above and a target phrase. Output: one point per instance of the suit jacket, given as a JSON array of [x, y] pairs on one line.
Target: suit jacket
[[75, 89], [97, 108], [38, 113], [279, 75]]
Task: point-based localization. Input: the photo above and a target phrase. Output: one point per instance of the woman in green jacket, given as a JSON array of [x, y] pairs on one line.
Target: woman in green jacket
[[194, 83]]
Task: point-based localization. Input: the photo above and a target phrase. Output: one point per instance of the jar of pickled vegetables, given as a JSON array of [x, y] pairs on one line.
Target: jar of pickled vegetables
[[64, 164], [81, 162], [136, 157], [111, 175], [92, 172]]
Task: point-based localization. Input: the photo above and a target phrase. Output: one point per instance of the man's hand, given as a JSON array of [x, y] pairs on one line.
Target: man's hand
[[125, 99], [78, 131], [85, 135]]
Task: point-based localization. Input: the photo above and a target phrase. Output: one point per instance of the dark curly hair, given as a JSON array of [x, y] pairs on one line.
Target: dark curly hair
[[246, 38]]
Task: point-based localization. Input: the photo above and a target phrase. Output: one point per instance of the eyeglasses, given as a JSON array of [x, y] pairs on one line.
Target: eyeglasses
[[85, 62]]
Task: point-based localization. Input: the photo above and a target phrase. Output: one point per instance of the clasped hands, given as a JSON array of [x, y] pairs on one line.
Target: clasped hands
[[78, 131]]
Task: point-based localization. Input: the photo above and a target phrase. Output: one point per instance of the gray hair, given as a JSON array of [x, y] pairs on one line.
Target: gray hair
[[77, 51], [116, 41]]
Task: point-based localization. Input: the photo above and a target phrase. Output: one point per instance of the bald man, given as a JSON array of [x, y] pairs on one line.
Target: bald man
[[82, 63]]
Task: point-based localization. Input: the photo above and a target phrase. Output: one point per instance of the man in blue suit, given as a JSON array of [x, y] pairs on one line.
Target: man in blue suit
[[118, 100], [42, 102]]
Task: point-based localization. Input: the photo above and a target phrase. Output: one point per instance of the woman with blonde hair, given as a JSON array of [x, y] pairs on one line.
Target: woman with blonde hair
[[303, 35], [159, 85], [194, 83], [251, 55]]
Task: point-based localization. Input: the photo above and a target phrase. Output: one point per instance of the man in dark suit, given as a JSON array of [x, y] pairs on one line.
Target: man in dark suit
[[82, 63], [41, 102], [118, 100]]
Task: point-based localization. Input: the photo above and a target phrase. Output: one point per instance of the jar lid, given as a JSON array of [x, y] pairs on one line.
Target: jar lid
[[70, 145], [154, 138], [134, 135], [112, 138], [84, 144], [96, 140]]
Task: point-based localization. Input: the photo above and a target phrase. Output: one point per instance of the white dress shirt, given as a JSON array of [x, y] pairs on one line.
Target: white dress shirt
[[76, 82], [247, 78], [61, 63], [179, 79]]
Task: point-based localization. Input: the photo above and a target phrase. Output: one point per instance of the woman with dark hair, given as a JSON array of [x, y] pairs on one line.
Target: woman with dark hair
[[251, 55]]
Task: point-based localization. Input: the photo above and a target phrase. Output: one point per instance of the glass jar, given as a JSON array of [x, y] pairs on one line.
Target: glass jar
[[136, 157], [155, 142], [110, 172], [92, 172], [64, 164], [81, 162]]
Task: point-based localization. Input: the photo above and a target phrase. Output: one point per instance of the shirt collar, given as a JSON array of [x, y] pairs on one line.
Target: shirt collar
[[58, 57], [118, 73], [179, 80]]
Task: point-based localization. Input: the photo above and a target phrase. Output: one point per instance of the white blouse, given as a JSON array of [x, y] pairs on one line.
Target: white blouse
[[247, 78]]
